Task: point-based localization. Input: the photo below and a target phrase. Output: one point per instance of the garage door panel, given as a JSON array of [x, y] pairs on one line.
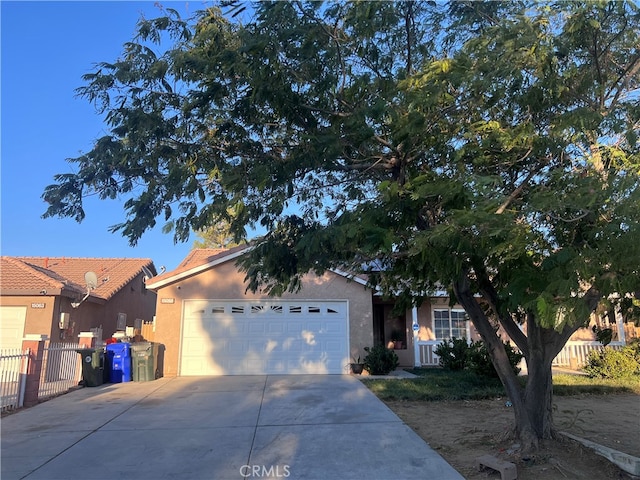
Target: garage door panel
[[276, 328], [12, 320], [240, 337], [333, 327], [257, 328]]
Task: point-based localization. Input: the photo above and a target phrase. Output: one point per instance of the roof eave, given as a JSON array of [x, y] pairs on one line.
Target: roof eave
[[195, 270]]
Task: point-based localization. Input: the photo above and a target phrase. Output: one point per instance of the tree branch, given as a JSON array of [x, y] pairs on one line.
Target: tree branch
[[517, 191]]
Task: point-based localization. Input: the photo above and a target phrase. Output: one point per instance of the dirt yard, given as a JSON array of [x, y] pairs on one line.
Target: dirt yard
[[461, 431]]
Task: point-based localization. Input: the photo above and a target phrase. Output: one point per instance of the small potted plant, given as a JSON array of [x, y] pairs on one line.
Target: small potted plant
[[357, 366]]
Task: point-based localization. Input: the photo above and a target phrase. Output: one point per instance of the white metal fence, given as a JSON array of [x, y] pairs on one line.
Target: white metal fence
[[13, 372], [61, 369]]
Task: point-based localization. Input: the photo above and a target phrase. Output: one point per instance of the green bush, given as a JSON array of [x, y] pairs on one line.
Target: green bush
[[634, 346], [380, 360], [480, 363], [453, 354], [457, 354], [611, 363]]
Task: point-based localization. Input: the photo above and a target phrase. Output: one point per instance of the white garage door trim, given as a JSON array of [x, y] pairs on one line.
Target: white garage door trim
[[12, 321], [255, 337]]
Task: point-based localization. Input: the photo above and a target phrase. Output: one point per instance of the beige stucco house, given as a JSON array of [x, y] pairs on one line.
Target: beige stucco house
[[211, 325]]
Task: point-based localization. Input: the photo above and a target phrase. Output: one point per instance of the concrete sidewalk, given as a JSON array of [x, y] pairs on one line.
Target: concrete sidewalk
[[298, 427]]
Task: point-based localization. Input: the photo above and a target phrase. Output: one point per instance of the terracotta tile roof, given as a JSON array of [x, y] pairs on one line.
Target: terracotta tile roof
[[199, 256], [30, 274], [17, 275]]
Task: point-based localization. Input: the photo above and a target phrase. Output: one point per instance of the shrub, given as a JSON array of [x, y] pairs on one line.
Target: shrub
[[380, 360], [634, 347], [457, 354], [453, 353], [611, 363], [480, 363]]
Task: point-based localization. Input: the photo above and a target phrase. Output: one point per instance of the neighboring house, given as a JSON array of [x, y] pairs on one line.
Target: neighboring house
[[49, 296], [211, 325]]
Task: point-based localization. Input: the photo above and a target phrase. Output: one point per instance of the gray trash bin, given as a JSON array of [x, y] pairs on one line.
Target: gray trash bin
[[92, 366], [144, 359]]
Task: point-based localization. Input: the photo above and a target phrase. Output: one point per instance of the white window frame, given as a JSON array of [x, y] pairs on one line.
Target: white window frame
[[450, 335]]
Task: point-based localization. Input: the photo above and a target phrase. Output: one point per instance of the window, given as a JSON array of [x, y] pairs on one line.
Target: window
[[450, 323]]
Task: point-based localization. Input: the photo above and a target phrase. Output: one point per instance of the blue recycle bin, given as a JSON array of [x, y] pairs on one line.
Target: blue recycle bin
[[119, 359]]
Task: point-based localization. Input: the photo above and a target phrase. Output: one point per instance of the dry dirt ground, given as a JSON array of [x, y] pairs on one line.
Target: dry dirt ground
[[461, 431]]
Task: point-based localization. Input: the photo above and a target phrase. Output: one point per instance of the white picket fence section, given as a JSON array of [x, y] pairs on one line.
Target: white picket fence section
[[573, 355], [426, 353], [13, 370], [61, 369]]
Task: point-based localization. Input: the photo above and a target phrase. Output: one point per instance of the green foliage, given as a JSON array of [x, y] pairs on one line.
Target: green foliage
[[614, 363], [380, 360], [603, 335], [430, 138], [453, 354], [480, 362], [457, 354]]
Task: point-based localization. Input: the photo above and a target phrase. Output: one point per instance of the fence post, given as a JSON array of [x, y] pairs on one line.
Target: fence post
[[87, 339], [35, 344]]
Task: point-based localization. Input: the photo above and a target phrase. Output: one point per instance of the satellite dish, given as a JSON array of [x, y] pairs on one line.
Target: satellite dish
[[91, 279]]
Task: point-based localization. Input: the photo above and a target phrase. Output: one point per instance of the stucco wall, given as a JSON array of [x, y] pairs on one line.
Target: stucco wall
[[132, 299], [38, 320], [225, 282]]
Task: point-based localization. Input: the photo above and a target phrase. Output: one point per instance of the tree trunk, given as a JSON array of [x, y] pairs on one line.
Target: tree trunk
[[538, 395], [532, 407], [543, 346], [524, 429]]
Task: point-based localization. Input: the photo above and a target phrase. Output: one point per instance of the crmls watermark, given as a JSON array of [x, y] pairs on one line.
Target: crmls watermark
[[262, 471]]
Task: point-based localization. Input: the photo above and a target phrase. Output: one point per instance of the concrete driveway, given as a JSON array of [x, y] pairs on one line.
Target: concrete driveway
[[297, 427]]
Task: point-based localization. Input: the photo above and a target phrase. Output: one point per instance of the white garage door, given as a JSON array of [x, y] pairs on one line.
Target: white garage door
[[263, 337], [12, 326]]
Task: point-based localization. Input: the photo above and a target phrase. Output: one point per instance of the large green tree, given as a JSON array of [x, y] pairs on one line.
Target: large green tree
[[487, 147]]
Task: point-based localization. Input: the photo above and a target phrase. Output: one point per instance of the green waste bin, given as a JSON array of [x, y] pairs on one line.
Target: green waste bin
[[92, 366], [144, 359]]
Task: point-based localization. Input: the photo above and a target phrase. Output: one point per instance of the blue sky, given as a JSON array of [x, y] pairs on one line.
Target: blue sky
[[46, 48]]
